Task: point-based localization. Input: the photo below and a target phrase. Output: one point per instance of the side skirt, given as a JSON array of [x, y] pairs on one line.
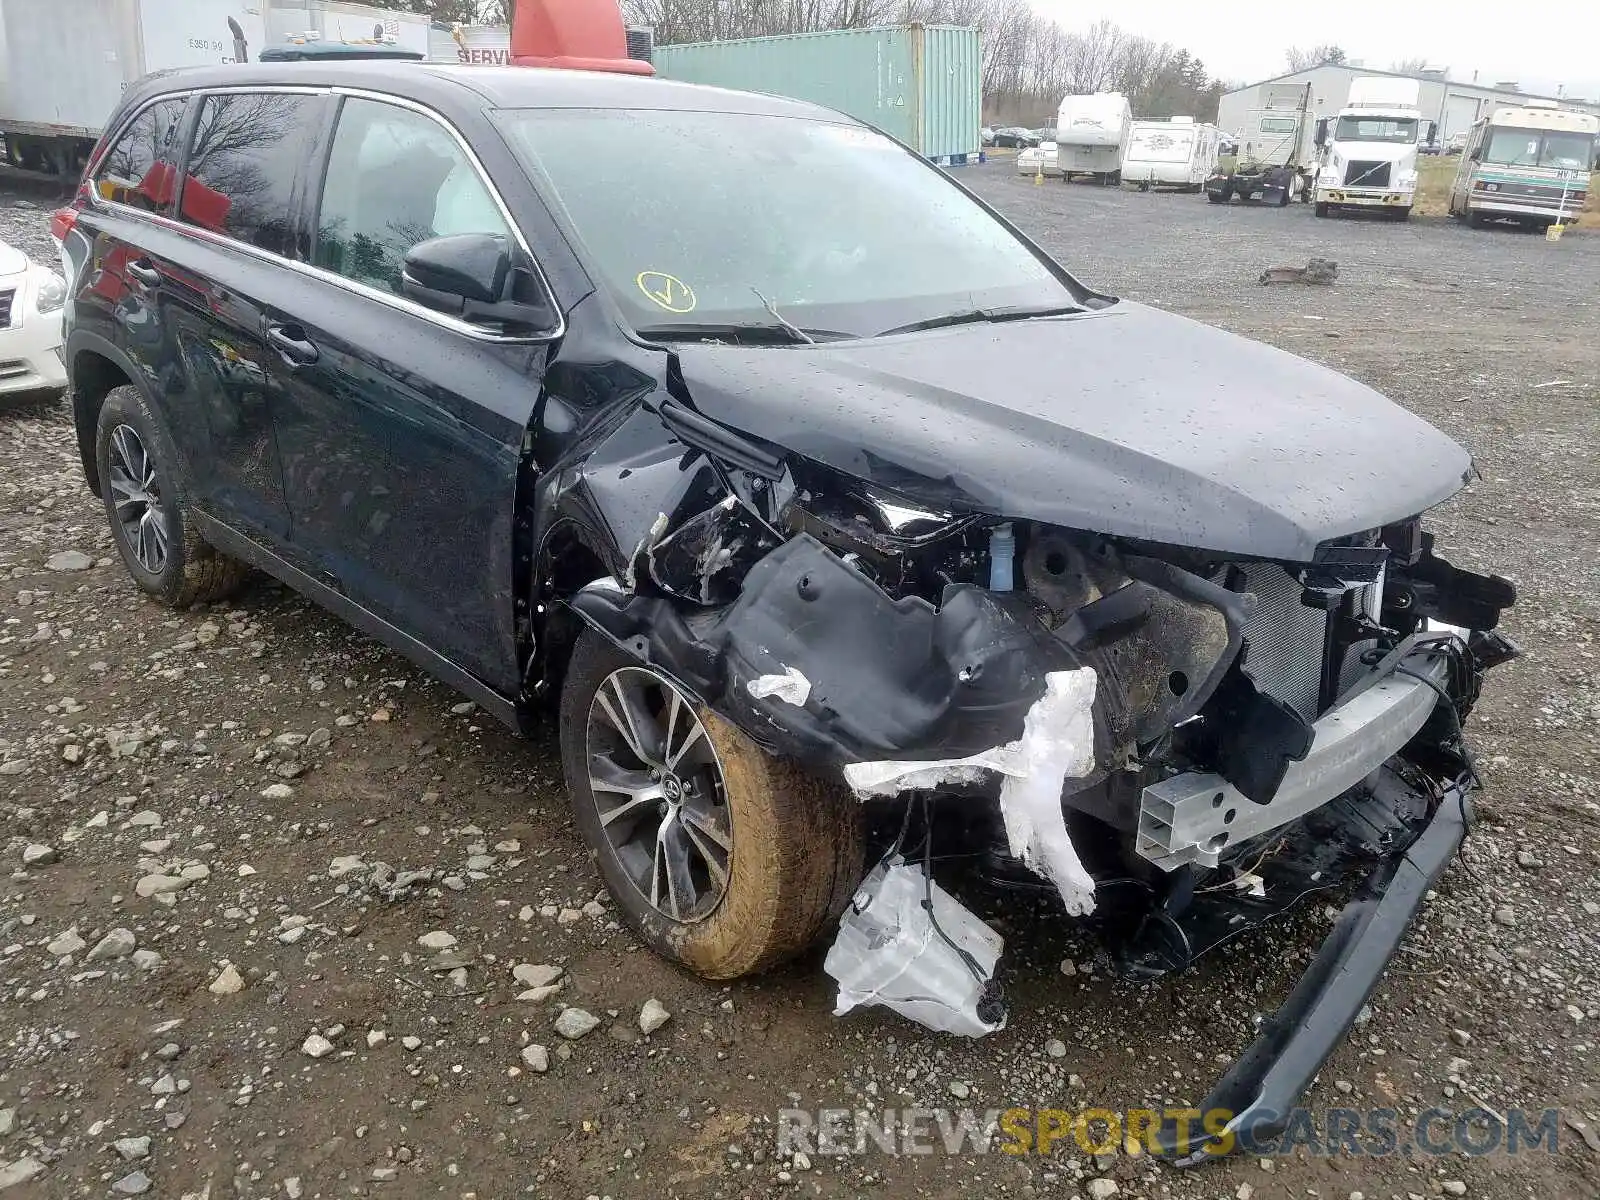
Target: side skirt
[[231, 541]]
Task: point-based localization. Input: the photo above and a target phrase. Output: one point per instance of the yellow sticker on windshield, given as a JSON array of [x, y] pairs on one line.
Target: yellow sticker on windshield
[[670, 292]]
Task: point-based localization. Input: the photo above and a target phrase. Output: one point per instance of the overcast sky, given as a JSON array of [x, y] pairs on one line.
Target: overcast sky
[[1244, 41]]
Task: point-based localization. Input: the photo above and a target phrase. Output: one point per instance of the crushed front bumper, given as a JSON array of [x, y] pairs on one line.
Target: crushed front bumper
[[1195, 816], [1258, 1093]]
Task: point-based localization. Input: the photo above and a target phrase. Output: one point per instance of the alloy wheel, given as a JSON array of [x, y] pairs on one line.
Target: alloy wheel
[[657, 786], [137, 500]]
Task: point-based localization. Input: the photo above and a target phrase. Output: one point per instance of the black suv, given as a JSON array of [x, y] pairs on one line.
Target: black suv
[[818, 497]]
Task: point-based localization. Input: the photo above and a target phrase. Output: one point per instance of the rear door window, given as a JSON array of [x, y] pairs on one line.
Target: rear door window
[[138, 170], [244, 160], [395, 177]]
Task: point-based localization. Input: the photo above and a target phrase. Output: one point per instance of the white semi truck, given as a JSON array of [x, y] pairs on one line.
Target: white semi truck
[[1274, 155], [1368, 153]]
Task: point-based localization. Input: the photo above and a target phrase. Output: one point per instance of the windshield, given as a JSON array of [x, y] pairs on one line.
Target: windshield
[[1540, 148], [688, 215], [1376, 129]]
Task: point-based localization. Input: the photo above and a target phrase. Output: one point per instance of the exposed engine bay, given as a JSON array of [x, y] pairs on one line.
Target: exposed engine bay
[[926, 637]]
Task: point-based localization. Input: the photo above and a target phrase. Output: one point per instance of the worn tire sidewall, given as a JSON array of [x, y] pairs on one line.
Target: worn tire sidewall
[[127, 405], [755, 925]]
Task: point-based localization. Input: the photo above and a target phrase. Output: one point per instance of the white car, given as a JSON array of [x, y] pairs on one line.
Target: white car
[[1038, 160], [31, 296]]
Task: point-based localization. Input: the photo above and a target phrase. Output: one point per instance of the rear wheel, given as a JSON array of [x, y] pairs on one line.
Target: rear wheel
[[148, 510], [1218, 197], [718, 855]]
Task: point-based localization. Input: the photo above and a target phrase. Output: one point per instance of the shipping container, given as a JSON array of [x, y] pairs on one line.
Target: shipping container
[[919, 83]]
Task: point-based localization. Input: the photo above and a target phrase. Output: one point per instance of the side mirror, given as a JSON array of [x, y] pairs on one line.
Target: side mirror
[[1320, 138], [1476, 155], [473, 276], [1433, 131]]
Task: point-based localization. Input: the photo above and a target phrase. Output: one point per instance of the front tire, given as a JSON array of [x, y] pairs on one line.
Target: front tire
[[719, 856], [149, 511]]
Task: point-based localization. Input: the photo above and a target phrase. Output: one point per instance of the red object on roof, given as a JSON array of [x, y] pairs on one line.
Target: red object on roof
[[576, 35]]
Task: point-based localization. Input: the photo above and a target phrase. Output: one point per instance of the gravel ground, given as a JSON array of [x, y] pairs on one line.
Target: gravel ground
[[217, 978]]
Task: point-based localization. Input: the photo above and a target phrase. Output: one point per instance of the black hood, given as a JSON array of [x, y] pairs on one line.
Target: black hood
[[1127, 421]]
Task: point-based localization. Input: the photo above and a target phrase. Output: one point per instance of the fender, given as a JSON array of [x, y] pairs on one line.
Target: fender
[[88, 391]]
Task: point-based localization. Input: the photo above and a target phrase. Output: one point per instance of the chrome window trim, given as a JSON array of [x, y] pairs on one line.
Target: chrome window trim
[[400, 303]]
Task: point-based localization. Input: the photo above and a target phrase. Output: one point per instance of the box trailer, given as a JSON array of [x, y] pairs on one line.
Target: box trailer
[[68, 64], [918, 83]]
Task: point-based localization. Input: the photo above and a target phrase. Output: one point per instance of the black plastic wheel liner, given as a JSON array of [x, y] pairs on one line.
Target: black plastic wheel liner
[[1265, 1082], [890, 678]]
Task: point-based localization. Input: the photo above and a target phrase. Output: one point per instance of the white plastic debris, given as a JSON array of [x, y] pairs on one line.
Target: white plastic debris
[[791, 687], [1057, 744], [889, 953]]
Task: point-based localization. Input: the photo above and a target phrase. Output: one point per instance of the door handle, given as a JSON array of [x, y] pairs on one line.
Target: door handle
[[291, 342], [141, 272]]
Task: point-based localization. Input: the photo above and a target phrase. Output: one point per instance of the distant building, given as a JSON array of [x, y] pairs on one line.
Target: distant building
[[1455, 106]]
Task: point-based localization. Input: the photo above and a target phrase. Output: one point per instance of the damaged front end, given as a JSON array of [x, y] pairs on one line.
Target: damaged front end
[[1180, 742]]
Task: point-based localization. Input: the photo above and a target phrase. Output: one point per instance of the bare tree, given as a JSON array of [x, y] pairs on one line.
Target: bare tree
[[1300, 60], [1408, 66]]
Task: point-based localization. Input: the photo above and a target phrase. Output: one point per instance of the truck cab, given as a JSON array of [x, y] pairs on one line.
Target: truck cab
[[1368, 153]]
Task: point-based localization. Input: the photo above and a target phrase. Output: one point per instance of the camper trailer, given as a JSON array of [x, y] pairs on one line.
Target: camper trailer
[[1092, 135], [1179, 153]]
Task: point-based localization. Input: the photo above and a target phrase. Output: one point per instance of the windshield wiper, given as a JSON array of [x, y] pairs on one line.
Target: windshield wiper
[[755, 333], [976, 315], [781, 319]]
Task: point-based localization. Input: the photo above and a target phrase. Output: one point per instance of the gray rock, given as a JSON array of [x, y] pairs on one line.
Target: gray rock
[[959, 1090], [1453, 1187], [1527, 860], [194, 872], [535, 975], [133, 1149], [145, 819], [37, 855], [146, 960], [1055, 1048], [136, 1183], [65, 943], [20, 1172], [68, 560], [169, 1051], [119, 943], [536, 1058], [438, 939], [317, 1046], [534, 995], [1505, 915], [1461, 1037], [160, 885], [574, 1023], [8, 1121], [345, 864], [653, 1015], [277, 791], [1102, 1189], [228, 982]]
